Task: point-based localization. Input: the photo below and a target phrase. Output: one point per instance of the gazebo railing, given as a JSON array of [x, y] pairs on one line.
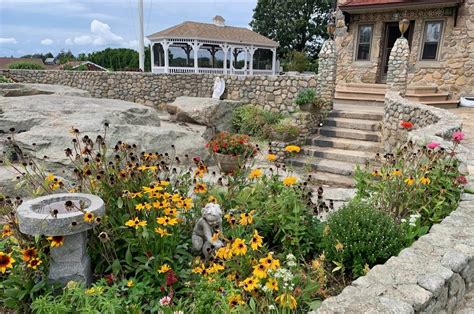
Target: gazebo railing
[[177, 70]]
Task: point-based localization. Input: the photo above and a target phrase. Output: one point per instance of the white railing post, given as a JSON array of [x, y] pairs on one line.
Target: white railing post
[[252, 50], [274, 53], [152, 57], [166, 45]]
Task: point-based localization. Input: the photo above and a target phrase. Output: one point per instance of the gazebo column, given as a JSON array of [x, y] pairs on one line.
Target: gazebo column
[[152, 57], [251, 52], [274, 53], [166, 45], [195, 45], [225, 49], [246, 56]]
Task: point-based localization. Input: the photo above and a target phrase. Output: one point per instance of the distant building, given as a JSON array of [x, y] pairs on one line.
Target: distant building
[[192, 47], [5, 62], [49, 61], [75, 65]]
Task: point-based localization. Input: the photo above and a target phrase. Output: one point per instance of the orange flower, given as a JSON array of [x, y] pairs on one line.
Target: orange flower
[[29, 253], [56, 241]]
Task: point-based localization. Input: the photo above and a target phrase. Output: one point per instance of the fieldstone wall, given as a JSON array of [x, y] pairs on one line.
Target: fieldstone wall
[[431, 276], [398, 66], [453, 72], [275, 93], [327, 72], [429, 123]]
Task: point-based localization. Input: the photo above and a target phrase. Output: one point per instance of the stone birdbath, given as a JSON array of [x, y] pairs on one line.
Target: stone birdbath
[[63, 215]]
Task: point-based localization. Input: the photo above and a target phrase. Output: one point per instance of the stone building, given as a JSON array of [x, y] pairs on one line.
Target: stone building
[[441, 39]]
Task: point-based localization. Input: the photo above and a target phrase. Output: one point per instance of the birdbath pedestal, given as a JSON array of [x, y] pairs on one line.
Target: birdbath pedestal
[[62, 215]]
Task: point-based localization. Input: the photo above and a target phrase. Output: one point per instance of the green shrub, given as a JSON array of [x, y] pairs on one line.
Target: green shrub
[[286, 127], [305, 96], [4, 79], [358, 236], [254, 121], [297, 61], [25, 66]]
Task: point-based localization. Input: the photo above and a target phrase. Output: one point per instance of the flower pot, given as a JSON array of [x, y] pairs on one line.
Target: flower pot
[[228, 163], [283, 137], [307, 107]]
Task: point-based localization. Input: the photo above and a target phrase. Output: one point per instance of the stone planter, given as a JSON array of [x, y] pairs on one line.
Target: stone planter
[[228, 163], [48, 216], [307, 108], [283, 137]]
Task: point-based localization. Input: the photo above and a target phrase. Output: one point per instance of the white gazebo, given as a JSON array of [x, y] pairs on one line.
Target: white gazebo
[[192, 47]]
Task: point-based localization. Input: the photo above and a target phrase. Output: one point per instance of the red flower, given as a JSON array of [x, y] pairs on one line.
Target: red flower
[[461, 180], [110, 279], [406, 124], [170, 278]]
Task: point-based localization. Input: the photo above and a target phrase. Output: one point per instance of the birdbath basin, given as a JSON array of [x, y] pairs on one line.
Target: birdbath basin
[[62, 216]]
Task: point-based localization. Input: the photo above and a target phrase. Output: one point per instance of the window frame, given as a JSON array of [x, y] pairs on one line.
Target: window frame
[[423, 36], [359, 26]]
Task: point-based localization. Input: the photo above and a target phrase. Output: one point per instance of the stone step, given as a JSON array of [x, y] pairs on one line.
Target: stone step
[[360, 94], [446, 104], [343, 143], [324, 165], [333, 180], [411, 89], [356, 114], [414, 89], [356, 101], [350, 133], [357, 124], [428, 97], [352, 156]]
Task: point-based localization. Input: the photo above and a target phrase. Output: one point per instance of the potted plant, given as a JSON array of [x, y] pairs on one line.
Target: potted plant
[[285, 131], [305, 99], [231, 151]]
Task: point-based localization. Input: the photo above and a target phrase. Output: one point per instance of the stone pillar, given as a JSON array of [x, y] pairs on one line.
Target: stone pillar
[[152, 57], [327, 72], [398, 67]]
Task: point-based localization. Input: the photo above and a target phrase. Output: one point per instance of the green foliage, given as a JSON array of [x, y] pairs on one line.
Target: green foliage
[[64, 57], [254, 121], [305, 96], [425, 182], [286, 127], [296, 61], [358, 236], [25, 66], [119, 59], [4, 79], [295, 25]]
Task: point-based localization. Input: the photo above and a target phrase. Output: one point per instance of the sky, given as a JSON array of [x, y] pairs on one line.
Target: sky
[[30, 26]]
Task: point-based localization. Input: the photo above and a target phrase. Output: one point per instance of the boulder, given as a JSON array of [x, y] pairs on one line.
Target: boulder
[[213, 113], [46, 121], [19, 89]]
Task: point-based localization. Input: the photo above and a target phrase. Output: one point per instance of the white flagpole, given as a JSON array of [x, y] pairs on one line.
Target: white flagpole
[[141, 47]]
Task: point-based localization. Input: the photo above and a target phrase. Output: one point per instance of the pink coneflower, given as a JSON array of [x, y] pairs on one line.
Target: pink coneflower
[[432, 145], [165, 301], [458, 136]]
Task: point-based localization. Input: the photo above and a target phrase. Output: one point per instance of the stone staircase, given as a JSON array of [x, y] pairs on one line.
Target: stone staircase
[[373, 94], [350, 136]]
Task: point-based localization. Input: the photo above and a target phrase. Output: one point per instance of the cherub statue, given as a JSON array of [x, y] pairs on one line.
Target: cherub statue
[[206, 226]]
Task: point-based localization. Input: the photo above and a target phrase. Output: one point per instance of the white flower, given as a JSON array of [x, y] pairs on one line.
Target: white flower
[[412, 224], [403, 220], [271, 307], [165, 300], [290, 257], [265, 289], [178, 312], [291, 264]]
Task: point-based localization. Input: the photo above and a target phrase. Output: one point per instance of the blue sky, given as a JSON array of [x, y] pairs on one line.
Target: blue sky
[[32, 26]]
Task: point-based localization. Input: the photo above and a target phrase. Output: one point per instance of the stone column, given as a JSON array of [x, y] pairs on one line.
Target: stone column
[[152, 57], [398, 67], [327, 72], [274, 53]]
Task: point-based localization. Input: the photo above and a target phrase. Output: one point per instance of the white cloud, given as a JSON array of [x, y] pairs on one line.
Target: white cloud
[[83, 40], [69, 41], [47, 41], [100, 35], [9, 40]]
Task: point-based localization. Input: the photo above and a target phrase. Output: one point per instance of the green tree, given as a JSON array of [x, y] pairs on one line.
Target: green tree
[[65, 56], [297, 25]]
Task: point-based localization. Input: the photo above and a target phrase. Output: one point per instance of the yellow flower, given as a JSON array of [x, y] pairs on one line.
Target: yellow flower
[[95, 290], [56, 241], [397, 172], [256, 241], [230, 219], [289, 181], [272, 284], [164, 269], [200, 270], [239, 247], [130, 283], [255, 173], [34, 263], [376, 173], [287, 300], [250, 284], [7, 231], [292, 148], [88, 217], [166, 221], [339, 246], [326, 230], [162, 232], [270, 262], [143, 206], [230, 277], [135, 223], [246, 218], [260, 271], [235, 300], [28, 254], [200, 188], [425, 180], [214, 268], [366, 269], [188, 203], [225, 252], [50, 178], [215, 236], [6, 261], [212, 199], [410, 181], [171, 211], [271, 157]]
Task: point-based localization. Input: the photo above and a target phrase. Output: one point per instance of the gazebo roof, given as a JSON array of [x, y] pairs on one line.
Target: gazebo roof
[[205, 31]]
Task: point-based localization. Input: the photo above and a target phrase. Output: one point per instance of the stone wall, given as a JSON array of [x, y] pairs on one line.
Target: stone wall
[[274, 93], [398, 66], [429, 123], [453, 73], [431, 276]]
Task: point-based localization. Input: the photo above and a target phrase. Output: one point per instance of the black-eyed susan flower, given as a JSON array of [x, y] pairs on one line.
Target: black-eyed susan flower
[[28, 254], [6, 261], [167, 221], [425, 180], [239, 247], [288, 181], [34, 263], [162, 232], [409, 181], [256, 241], [6, 231], [272, 284], [250, 284], [225, 252], [170, 211], [246, 218], [200, 188], [376, 173], [260, 271], [396, 172], [230, 219], [164, 269], [88, 217], [56, 241], [270, 262], [235, 300], [212, 199], [130, 283], [135, 223]]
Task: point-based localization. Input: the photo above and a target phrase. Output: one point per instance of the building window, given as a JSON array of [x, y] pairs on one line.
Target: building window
[[364, 42], [431, 40]]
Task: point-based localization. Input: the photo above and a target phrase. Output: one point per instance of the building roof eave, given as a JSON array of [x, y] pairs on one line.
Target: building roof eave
[[356, 8], [160, 38]]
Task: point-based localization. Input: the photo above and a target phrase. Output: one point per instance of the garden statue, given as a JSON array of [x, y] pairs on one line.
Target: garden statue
[[206, 226], [219, 87]]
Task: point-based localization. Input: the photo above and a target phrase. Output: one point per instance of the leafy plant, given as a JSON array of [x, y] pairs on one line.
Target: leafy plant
[[296, 61], [359, 236], [254, 121], [4, 79], [25, 66], [286, 127], [305, 97], [231, 144]]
